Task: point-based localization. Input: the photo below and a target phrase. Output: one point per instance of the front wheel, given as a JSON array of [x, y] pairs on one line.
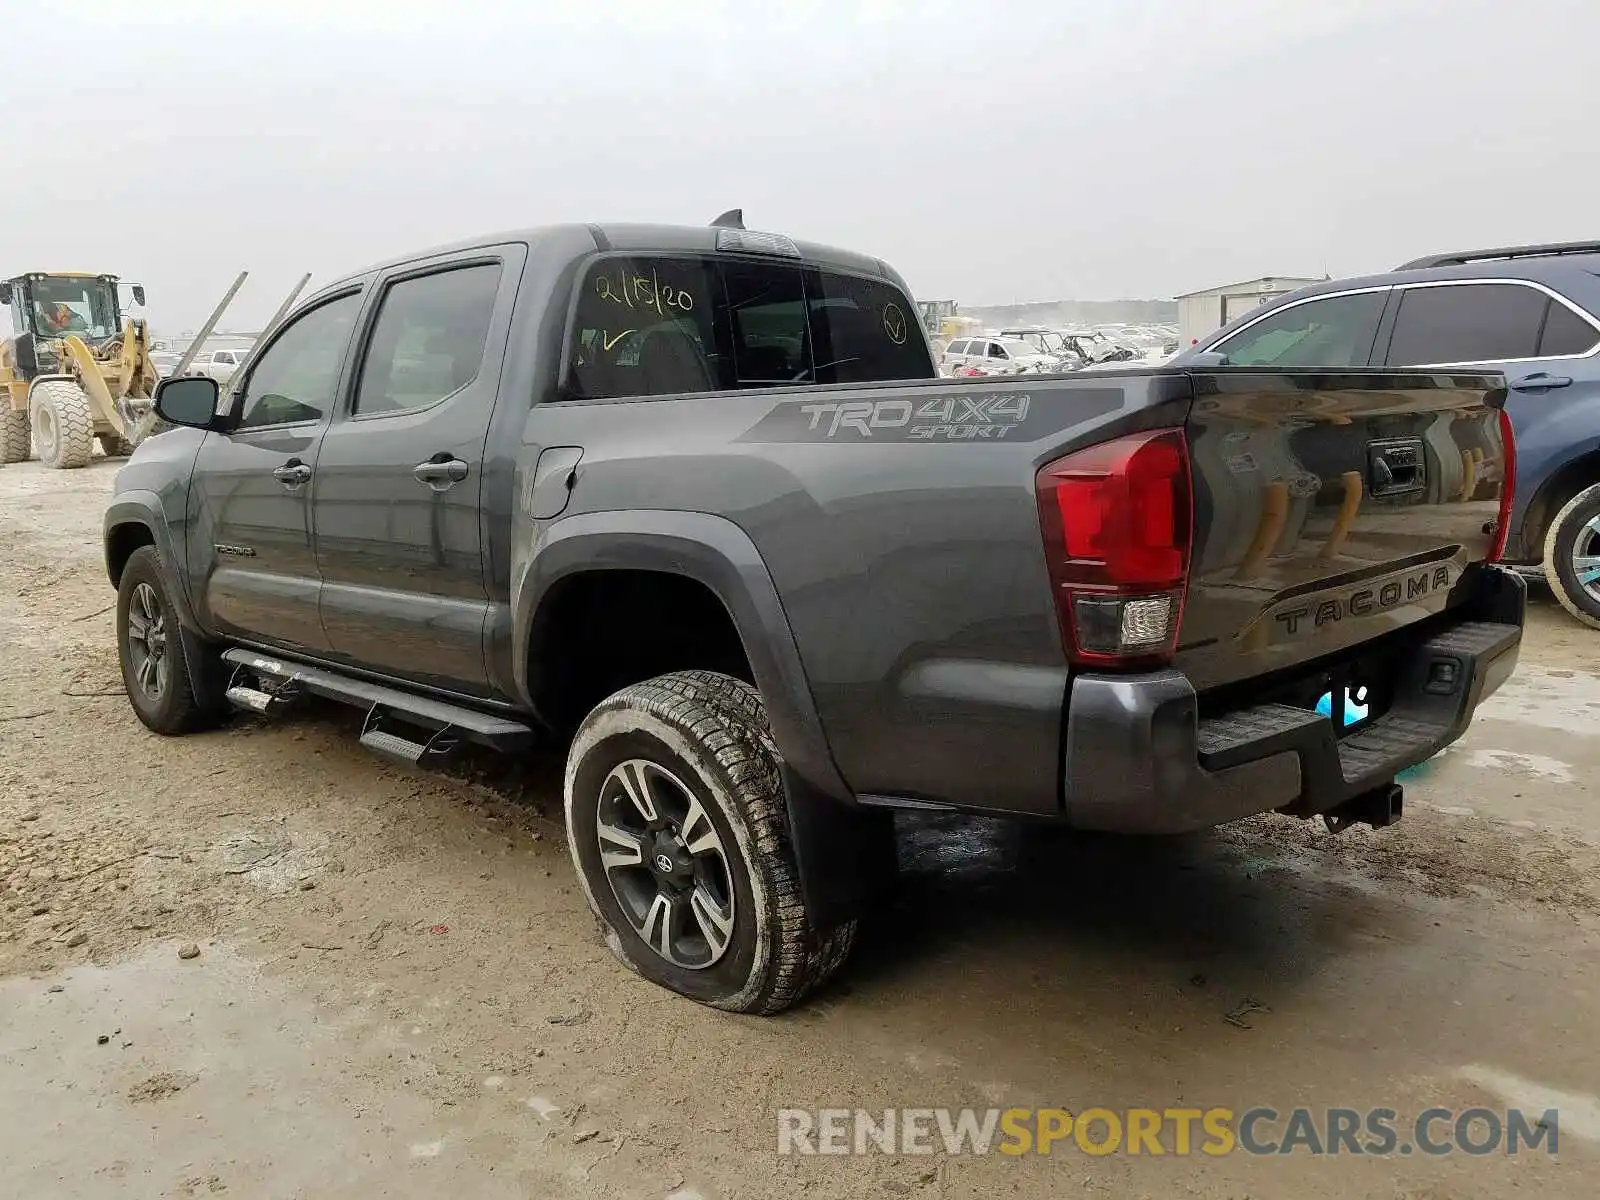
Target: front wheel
[[150, 648], [678, 828], [63, 424], [1572, 556]]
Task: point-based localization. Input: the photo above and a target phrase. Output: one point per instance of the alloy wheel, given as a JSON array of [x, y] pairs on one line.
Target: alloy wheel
[[1586, 557], [147, 642], [666, 864]]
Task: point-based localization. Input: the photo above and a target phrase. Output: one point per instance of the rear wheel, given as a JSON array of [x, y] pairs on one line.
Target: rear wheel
[[16, 435], [63, 424], [1572, 556], [677, 824]]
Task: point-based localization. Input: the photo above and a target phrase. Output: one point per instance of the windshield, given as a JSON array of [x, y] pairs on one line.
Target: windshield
[[1018, 348], [86, 307]]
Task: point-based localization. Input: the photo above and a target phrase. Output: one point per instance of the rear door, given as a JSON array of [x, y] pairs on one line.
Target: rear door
[[250, 543], [1542, 341], [397, 500]]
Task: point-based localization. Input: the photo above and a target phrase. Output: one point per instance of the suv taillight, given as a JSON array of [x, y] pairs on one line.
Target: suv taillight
[[1117, 527], [1508, 456]]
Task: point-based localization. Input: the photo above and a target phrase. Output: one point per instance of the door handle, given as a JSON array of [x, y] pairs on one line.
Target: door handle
[[293, 473], [440, 472], [1542, 381]]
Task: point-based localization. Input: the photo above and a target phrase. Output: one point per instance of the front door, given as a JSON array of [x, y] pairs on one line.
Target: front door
[[250, 543], [397, 504]]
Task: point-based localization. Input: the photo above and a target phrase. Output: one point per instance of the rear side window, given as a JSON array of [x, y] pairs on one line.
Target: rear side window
[[1335, 332], [428, 340], [654, 326], [957, 348], [1478, 322], [1566, 333]]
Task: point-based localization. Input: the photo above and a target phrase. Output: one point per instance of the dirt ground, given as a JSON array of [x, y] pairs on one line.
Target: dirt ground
[[398, 990]]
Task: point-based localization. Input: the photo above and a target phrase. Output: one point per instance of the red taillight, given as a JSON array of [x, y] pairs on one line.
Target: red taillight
[[1116, 520], [1508, 487]]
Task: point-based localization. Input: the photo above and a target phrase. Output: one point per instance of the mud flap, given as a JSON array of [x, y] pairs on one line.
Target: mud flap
[[208, 674], [845, 853]]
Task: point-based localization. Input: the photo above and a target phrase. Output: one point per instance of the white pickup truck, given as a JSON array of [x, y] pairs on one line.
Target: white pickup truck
[[218, 364]]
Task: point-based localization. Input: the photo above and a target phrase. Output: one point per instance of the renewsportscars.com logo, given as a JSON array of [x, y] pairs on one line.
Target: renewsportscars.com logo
[[1179, 1132]]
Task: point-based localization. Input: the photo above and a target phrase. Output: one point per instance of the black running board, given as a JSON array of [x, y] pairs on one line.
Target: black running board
[[449, 724]]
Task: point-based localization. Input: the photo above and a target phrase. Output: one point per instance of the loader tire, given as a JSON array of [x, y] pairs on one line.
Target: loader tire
[[115, 447], [16, 435], [63, 424]]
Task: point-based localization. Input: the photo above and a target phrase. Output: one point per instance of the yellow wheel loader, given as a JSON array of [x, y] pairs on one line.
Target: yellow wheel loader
[[74, 370]]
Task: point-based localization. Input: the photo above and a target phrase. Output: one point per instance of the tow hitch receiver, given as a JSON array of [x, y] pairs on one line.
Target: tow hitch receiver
[[1380, 808]]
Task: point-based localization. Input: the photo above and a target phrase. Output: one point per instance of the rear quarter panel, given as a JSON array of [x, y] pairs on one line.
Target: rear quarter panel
[[900, 526]]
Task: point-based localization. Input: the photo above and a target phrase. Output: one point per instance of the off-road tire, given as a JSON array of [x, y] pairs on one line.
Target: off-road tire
[[711, 732], [175, 710], [63, 424], [1559, 540], [719, 690], [114, 446], [16, 434]]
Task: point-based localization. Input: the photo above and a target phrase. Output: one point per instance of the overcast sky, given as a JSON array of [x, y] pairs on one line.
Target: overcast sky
[[993, 152]]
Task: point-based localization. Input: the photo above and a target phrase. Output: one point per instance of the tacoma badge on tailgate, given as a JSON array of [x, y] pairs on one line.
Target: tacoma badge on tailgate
[[1302, 616]]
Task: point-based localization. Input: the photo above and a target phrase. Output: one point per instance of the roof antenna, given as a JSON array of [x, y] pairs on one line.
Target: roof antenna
[[732, 219]]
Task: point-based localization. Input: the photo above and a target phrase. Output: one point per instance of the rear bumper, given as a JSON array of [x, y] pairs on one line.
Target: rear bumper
[[1139, 758]]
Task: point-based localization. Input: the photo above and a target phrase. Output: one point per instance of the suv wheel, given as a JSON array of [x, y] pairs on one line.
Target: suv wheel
[[677, 826], [150, 647], [1572, 556]]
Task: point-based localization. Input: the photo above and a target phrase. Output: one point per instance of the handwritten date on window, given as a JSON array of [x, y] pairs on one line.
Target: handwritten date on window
[[633, 289]]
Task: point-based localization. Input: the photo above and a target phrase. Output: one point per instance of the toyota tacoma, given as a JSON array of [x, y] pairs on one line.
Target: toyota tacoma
[[694, 502]]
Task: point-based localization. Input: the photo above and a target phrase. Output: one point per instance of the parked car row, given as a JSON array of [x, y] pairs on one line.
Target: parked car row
[[1042, 350]]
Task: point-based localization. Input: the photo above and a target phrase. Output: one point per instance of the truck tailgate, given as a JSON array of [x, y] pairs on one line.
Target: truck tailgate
[[1331, 509]]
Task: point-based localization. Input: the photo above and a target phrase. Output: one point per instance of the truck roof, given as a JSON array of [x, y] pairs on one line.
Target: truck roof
[[626, 236]]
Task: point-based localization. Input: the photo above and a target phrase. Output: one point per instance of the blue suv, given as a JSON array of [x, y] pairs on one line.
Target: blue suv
[[1532, 312]]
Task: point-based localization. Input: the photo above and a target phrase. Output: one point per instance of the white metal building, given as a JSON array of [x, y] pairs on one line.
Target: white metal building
[[1201, 312]]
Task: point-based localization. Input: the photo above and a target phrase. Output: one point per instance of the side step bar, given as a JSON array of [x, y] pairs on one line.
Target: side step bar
[[379, 740], [448, 724]]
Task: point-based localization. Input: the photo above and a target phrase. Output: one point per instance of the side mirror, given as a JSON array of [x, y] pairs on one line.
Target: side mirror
[[138, 294], [5, 293], [188, 400]]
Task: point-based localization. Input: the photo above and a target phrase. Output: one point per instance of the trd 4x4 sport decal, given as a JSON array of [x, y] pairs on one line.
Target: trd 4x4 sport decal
[[967, 415]]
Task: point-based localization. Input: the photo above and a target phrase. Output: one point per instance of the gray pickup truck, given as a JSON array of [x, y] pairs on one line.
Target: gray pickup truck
[[694, 502]]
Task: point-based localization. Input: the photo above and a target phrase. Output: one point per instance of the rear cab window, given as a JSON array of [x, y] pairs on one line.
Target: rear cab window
[[655, 325]]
